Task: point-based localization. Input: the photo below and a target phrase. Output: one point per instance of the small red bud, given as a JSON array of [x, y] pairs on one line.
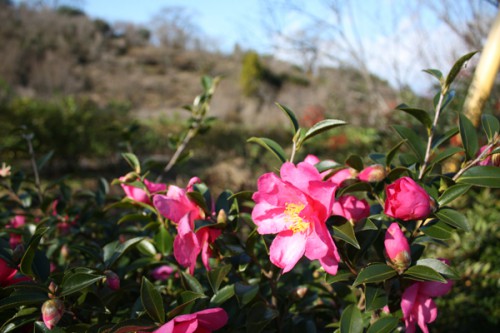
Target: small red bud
[[112, 280]]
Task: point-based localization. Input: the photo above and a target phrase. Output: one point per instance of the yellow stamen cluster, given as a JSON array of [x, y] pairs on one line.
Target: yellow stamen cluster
[[292, 212]]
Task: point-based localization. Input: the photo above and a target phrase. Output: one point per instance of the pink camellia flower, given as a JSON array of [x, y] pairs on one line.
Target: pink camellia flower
[[418, 306], [138, 194], [406, 200], [296, 207], [162, 273], [52, 311], [8, 275], [351, 208], [493, 160], [372, 173], [342, 175], [204, 321], [397, 248], [188, 244]]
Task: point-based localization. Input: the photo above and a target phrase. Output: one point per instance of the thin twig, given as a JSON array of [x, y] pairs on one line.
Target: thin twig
[[478, 159], [431, 136], [34, 166]]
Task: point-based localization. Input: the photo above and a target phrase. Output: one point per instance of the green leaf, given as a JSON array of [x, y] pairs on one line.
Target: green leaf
[[199, 200], [134, 218], [468, 135], [355, 162], [445, 137], [384, 325], [112, 255], [437, 229], [74, 282], [491, 125], [323, 166], [322, 126], [374, 273], [390, 155], [439, 267], [376, 298], [163, 241], [485, 176], [133, 161], [345, 231], [414, 142], [453, 192], [447, 153], [245, 293], [456, 69], [132, 325], [351, 320], [423, 273], [222, 295], [272, 146], [14, 301], [421, 115], [436, 73], [355, 187], [26, 265], [339, 277], [378, 158], [191, 283], [453, 218], [217, 275], [151, 301], [289, 113]]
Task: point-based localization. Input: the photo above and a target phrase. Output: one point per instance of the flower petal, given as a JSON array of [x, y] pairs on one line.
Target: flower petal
[[287, 249]]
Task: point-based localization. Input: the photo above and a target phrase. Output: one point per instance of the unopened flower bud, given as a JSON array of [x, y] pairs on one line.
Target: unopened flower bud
[[372, 173], [221, 216], [53, 289], [397, 248], [52, 311], [112, 280], [300, 292]]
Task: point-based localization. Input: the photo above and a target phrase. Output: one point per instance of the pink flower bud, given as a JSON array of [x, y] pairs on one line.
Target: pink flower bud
[[162, 272], [351, 208], [493, 159], [372, 173], [52, 311], [112, 280], [397, 248], [406, 200]]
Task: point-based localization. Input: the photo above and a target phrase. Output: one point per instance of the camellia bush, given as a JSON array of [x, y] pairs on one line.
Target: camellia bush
[[320, 246]]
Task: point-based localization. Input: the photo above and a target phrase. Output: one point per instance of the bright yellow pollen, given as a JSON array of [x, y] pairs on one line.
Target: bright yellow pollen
[[292, 212]]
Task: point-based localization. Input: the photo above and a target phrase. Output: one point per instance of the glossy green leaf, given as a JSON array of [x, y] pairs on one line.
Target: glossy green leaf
[[439, 267], [491, 125], [339, 277], [376, 298], [152, 301], [14, 301], [271, 146], [456, 69], [413, 140], [437, 229], [378, 158], [222, 295], [133, 161], [163, 241], [351, 320], [440, 139], [355, 162], [111, 255], [224, 201], [453, 218], [217, 275], [259, 316], [75, 282], [355, 187], [245, 293], [192, 283], [289, 113], [323, 126], [390, 155], [445, 154], [421, 115], [384, 325], [374, 273], [26, 265], [452, 193], [468, 135], [199, 199], [484, 176], [435, 73], [345, 231], [423, 273], [135, 218]]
